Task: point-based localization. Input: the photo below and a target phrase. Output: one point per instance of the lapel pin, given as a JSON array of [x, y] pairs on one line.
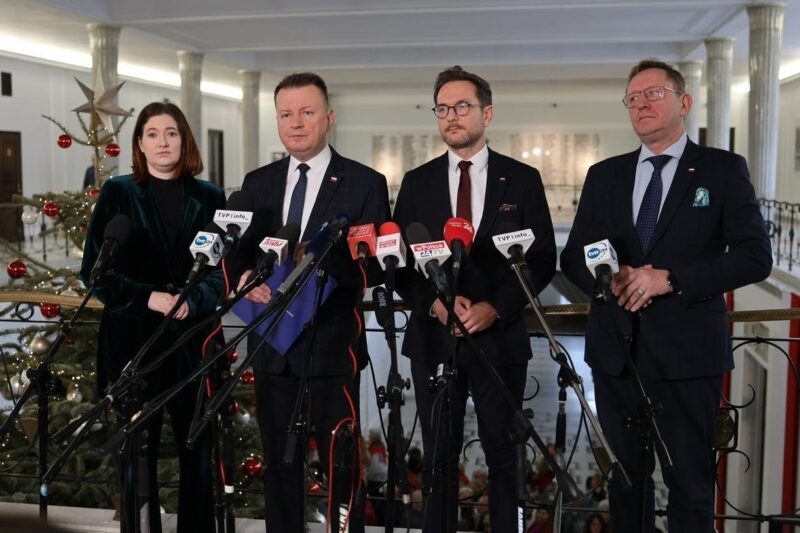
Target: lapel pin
[[502, 178], [334, 179], [691, 169]]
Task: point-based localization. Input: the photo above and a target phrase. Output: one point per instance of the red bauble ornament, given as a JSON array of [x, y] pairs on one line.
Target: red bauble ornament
[[252, 467], [235, 407], [233, 356], [112, 150], [93, 193], [315, 488], [248, 378], [50, 310], [16, 269], [64, 141], [51, 209]]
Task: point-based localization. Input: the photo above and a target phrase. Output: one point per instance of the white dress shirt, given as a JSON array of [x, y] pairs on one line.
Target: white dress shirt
[[316, 171], [478, 173]]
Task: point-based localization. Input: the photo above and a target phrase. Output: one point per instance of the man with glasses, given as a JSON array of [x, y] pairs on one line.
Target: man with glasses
[[491, 191], [686, 227]]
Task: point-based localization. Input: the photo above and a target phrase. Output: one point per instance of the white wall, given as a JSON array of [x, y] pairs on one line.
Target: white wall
[[789, 121], [40, 89]]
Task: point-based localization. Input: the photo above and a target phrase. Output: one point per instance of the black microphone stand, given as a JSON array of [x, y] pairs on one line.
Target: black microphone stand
[[298, 428], [567, 377], [44, 383], [393, 396], [644, 421], [522, 428], [439, 382]]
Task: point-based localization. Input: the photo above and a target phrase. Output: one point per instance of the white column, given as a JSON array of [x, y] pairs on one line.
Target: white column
[[190, 66], [251, 81], [692, 72], [719, 65], [104, 47], [766, 28]]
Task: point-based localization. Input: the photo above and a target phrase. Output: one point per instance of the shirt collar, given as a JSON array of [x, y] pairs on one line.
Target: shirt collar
[[318, 162], [675, 149], [479, 160]]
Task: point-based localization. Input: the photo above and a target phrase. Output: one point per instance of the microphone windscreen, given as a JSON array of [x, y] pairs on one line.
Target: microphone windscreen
[[417, 233], [239, 201], [118, 229], [382, 312], [388, 228], [290, 232], [458, 229]]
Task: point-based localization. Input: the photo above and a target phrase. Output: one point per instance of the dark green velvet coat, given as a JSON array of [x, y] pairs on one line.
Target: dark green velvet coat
[[147, 263]]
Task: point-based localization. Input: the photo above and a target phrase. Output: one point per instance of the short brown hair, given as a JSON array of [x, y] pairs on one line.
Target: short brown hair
[[190, 162], [303, 79], [672, 73], [482, 88]]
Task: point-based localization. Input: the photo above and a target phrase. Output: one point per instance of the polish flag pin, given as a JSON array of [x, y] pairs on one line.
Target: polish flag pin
[[334, 179], [691, 170], [502, 178]]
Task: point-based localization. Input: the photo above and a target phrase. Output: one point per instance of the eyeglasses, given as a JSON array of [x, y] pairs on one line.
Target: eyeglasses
[[461, 109], [651, 94]]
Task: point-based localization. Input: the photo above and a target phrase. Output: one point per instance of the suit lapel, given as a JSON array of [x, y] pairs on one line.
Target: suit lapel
[[330, 183], [680, 184], [496, 180], [626, 178], [438, 196]]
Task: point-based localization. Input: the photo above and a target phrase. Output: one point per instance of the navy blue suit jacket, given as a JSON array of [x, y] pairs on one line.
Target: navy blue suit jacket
[[514, 194], [348, 188], [711, 249]]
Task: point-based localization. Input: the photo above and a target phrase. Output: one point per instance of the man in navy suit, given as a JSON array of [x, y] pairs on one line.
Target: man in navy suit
[[499, 191], [686, 227], [311, 185]]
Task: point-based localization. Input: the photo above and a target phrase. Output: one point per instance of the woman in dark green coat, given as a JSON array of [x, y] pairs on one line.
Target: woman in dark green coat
[[167, 206]]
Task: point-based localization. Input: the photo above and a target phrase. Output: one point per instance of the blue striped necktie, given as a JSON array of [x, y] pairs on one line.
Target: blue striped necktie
[[651, 203], [298, 199]]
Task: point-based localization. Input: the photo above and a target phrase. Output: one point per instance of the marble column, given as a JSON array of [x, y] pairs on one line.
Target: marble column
[[251, 81], [190, 66], [766, 28], [719, 65], [692, 72], [104, 47]]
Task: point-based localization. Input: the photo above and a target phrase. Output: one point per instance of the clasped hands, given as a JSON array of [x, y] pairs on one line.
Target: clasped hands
[[635, 288], [476, 316], [262, 294]]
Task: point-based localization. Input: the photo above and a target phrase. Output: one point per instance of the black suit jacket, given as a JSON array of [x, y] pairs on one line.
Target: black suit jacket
[[348, 188], [514, 194], [147, 263], [711, 249]]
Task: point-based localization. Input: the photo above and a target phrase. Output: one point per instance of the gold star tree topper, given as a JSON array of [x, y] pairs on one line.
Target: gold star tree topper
[[101, 102]]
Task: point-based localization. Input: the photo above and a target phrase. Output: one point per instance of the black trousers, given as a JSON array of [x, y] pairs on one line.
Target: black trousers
[[686, 421], [494, 422], [285, 483], [195, 494]]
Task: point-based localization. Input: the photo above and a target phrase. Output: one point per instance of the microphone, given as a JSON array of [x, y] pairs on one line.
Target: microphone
[[561, 421], [207, 250], [276, 250], [458, 234], [329, 233], [362, 240], [513, 242], [383, 311], [429, 256], [390, 251], [117, 232], [234, 219], [601, 260]]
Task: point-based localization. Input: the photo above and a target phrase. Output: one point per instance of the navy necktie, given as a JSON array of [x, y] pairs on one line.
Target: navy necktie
[[295, 215], [651, 203]]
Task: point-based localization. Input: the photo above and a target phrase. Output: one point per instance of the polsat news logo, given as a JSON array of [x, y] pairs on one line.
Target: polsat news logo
[[430, 249], [273, 243]]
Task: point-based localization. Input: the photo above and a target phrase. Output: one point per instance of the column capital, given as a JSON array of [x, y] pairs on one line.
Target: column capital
[[719, 47], [766, 16]]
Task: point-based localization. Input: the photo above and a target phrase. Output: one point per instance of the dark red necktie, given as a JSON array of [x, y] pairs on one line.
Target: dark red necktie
[[463, 201]]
